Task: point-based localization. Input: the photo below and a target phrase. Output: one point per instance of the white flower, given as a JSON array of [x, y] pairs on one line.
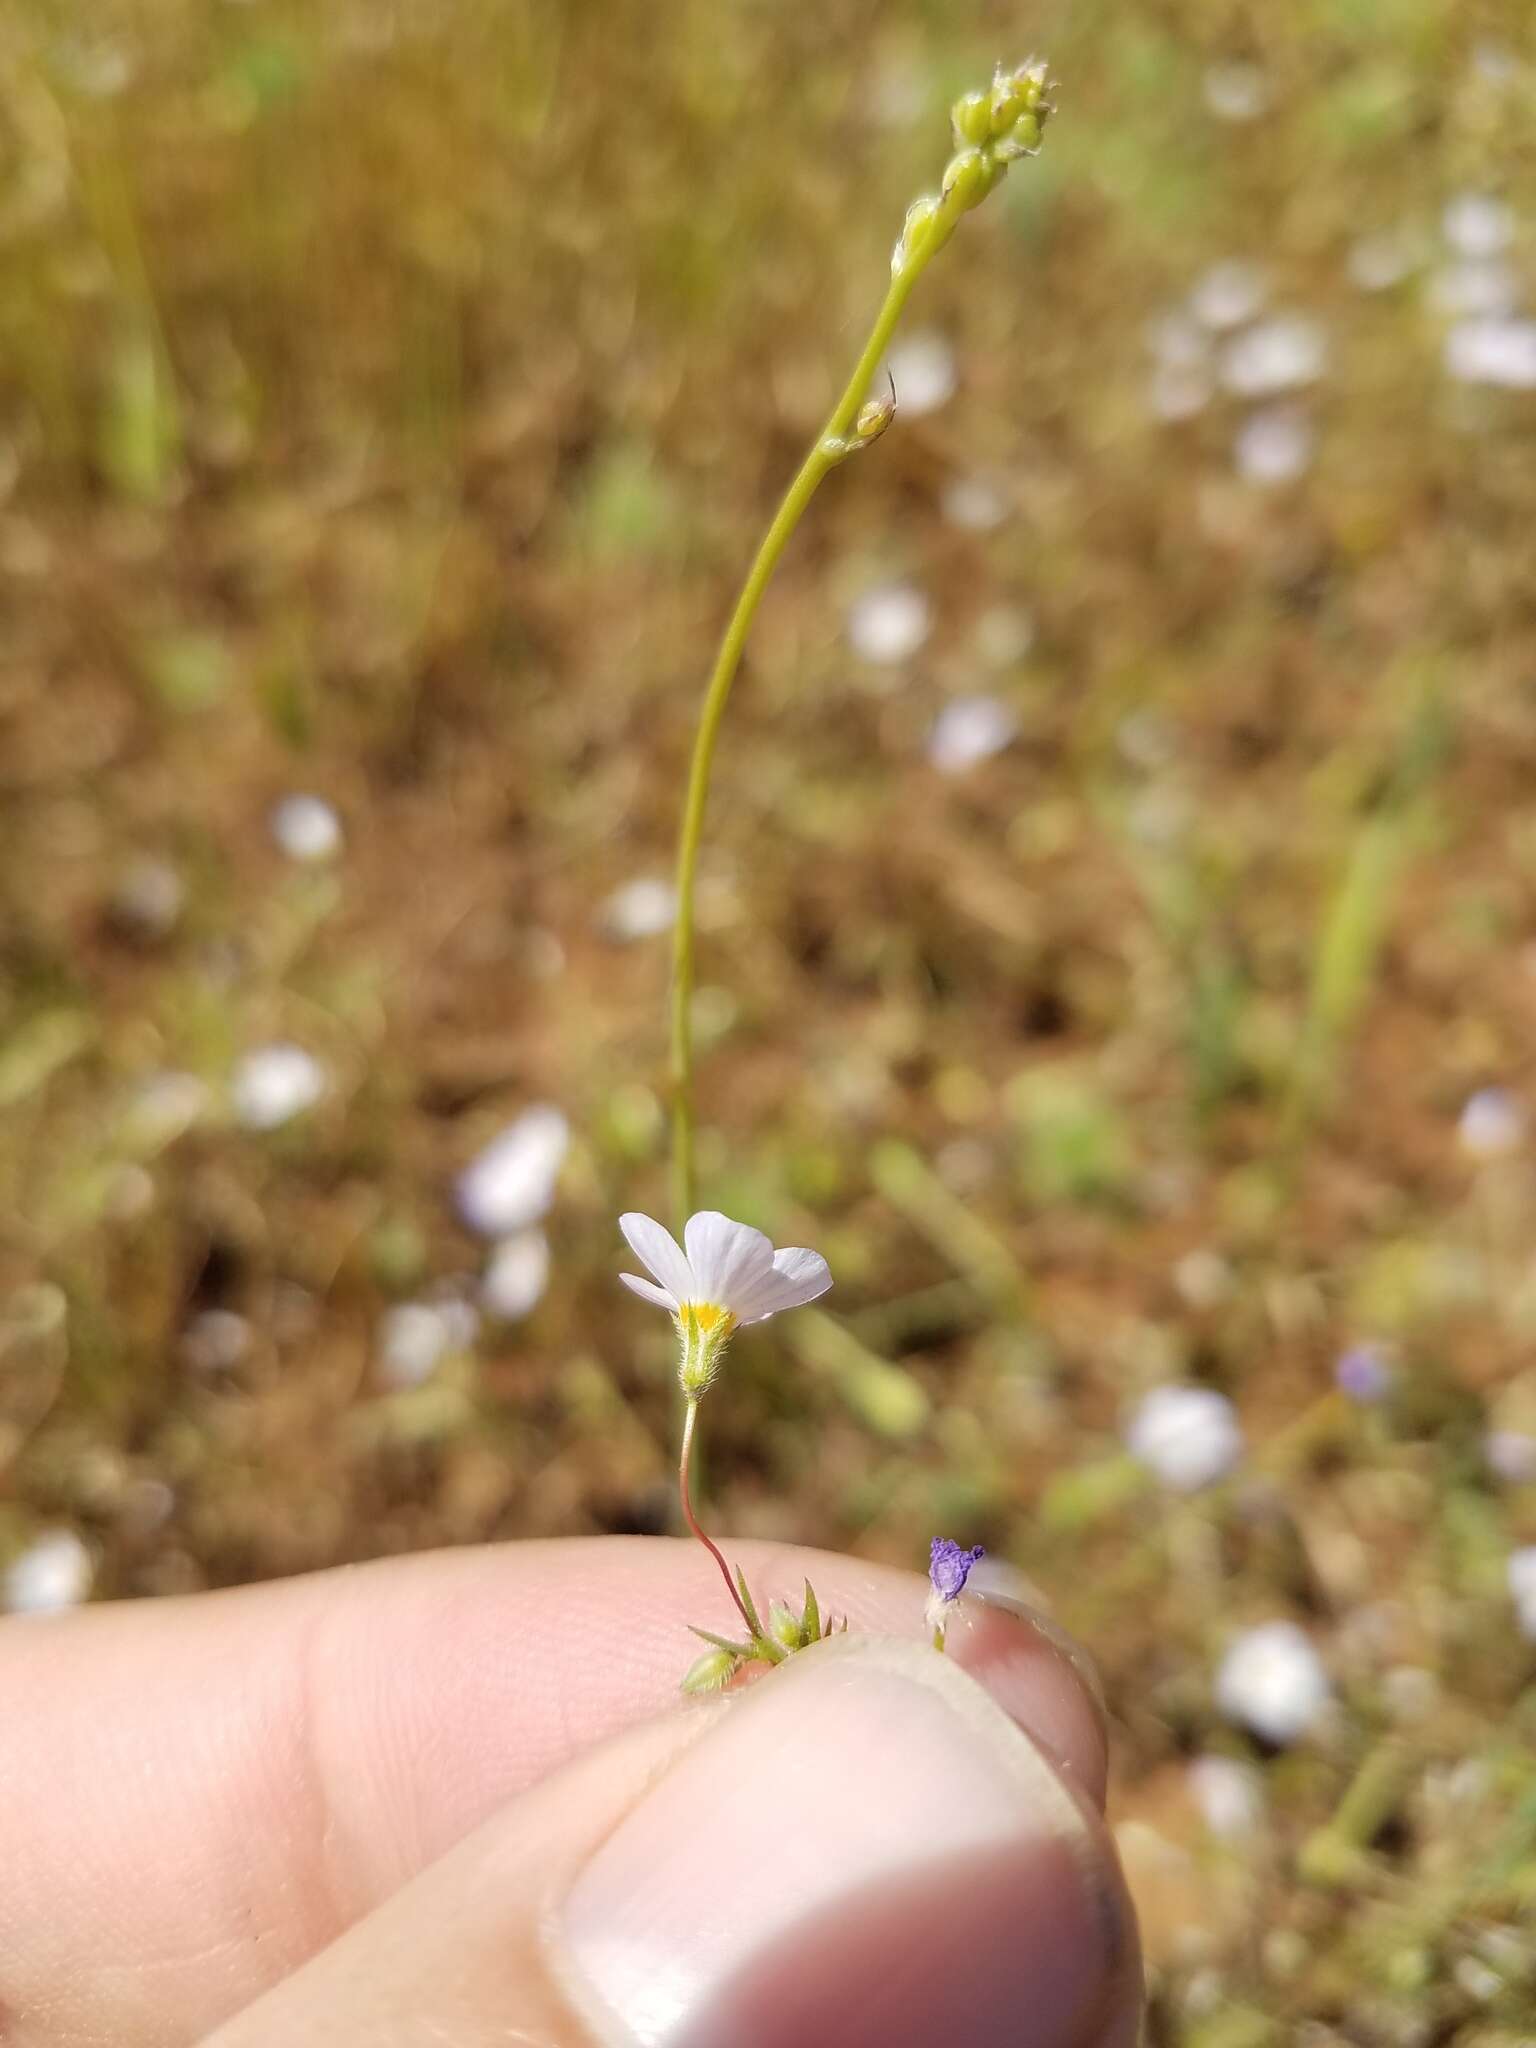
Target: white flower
[[1272, 1681], [1273, 446], [274, 1084], [1230, 1795], [922, 368], [889, 624], [1521, 1573], [1510, 1454], [413, 1341], [1492, 1124], [641, 909], [970, 730], [511, 1184], [1187, 1437], [1475, 224], [1228, 294], [1495, 351], [1236, 91], [150, 896], [1474, 290], [216, 1341], [729, 1275], [52, 1573], [974, 503], [306, 828], [1279, 354], [517, 1275]]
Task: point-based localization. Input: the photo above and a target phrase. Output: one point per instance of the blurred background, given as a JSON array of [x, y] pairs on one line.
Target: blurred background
[[1119, 907]]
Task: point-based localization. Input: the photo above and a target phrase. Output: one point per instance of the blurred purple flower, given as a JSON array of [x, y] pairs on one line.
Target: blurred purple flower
[[1364, 1372]]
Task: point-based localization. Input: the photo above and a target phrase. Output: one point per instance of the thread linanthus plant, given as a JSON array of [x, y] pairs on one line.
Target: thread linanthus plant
[[730, 1275]]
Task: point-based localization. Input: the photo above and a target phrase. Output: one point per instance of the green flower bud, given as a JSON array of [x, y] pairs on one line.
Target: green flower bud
[[711, 1671], [919, 214], [785, 1625], [970, 176], [875, 415], [971, 119], [1022, 139], [1006, 103]]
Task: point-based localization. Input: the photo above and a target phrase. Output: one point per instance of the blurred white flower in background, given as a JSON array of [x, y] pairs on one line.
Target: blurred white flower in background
[[1510, 1455], [1272, 1682], [922, 367], [1520, 1573], [641, 909], [1237, 91], [516, 1276], [1281, 354], [974, 504], [306, 828], [1228, 294], [149, 897], [1464, 291], [1186, 1436], [970, 730], [1501, 352], [1181, 383], [1229, 1794], [216, 1340], [416, 1336], [511, 1183], [274, 1084], [1273, 446], [53, 1572], [1476, 224], [1492, 1124], [888, 624]]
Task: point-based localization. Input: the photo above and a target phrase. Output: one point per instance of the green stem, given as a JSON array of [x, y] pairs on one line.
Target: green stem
[[826, 451]]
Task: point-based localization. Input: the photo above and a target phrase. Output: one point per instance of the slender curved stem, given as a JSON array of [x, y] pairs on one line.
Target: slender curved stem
[[826, 451], [684, 1460]]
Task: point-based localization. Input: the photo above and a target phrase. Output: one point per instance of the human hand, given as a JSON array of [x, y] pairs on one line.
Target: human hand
[[454, 1798]]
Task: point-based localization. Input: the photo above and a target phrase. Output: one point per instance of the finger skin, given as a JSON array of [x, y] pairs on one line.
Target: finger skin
[[473, 1951], [200, 1794]]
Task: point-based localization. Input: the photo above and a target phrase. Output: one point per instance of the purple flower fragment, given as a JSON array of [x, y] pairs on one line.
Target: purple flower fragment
[[948, 1569]]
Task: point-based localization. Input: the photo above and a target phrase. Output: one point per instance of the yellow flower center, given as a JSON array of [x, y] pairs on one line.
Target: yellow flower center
[[706, 1316], [705, 1328]]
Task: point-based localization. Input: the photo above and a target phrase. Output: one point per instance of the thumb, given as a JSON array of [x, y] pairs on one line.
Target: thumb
[[862, 1847]]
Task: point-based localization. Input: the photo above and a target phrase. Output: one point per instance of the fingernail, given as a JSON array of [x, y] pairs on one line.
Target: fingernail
[[866, 1848], [999, 1586]]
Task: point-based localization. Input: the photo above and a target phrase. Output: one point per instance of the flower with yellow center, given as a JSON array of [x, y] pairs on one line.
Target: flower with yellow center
[[728, 1275]]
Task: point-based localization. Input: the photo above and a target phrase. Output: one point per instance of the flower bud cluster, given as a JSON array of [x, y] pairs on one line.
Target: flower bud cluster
[[991, 130]]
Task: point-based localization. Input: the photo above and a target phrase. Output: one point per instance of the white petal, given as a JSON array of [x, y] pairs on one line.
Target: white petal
[[798, 1276], [660, 1252], [728, 1259], [649, 1291]]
